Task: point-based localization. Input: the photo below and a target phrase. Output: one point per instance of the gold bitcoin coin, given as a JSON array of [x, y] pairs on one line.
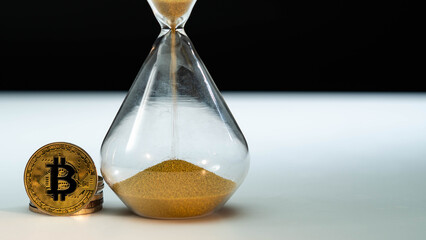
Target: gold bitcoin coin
[[91, 204], [95, 203], [35, 209], [100, 188], [83, 211], [60, 179], [97, 199], [97, 196], [89, 210]]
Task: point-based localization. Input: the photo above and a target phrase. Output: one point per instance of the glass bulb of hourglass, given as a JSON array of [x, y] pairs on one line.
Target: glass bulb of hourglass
[[174, 149], [172, 13]]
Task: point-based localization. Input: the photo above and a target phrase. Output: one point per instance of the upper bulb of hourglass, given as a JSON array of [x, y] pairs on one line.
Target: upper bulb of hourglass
[[172, 13]]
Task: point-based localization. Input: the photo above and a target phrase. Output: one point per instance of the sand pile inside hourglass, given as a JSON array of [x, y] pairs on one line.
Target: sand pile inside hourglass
[[172, 9], [174, 189]]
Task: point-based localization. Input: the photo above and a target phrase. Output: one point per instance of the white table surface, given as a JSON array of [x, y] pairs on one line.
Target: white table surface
[[323, 166]]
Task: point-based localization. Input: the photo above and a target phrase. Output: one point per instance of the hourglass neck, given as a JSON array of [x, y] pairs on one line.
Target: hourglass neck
[[165, 30]]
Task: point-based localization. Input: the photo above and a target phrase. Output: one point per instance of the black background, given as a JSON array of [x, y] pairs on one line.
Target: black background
[[247, 45]]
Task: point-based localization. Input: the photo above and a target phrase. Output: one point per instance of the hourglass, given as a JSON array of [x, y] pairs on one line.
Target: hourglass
[[174, 149]]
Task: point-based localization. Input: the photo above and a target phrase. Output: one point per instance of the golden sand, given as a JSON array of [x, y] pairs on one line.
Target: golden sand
[[174, 189], [172, 9]]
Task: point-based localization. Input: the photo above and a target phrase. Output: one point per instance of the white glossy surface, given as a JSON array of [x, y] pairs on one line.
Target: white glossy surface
[[323, 166]]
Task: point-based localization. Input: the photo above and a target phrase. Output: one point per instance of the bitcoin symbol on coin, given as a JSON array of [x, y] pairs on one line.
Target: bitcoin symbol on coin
[[55, 178]]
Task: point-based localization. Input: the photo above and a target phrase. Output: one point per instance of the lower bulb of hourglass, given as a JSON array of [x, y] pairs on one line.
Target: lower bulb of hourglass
[[204, 172]]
